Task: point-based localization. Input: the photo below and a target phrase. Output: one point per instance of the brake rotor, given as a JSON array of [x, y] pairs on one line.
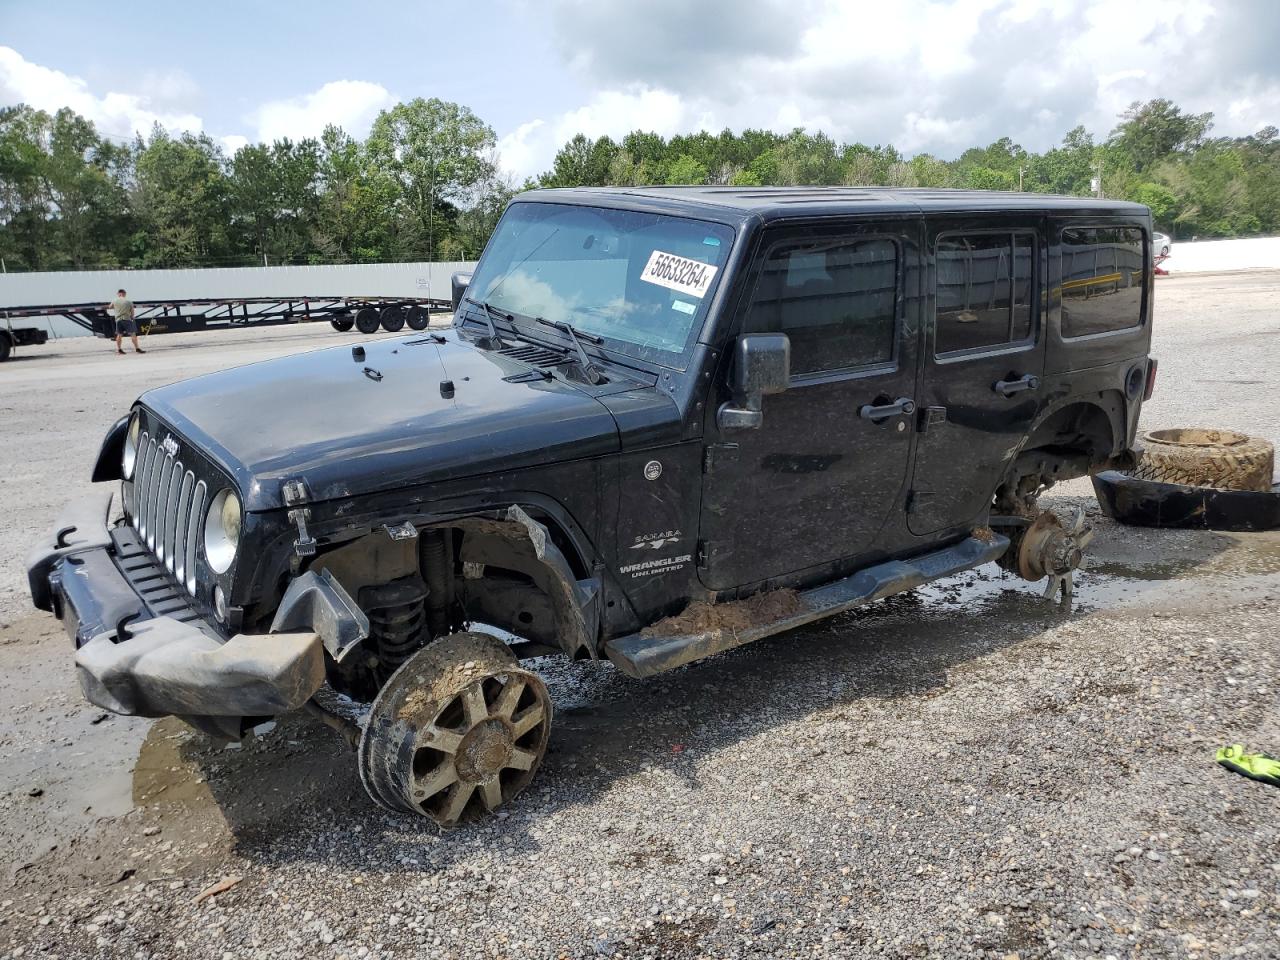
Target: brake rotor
[[1048, 548]]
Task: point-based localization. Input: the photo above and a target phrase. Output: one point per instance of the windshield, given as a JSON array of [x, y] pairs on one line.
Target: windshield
[[640, 281]]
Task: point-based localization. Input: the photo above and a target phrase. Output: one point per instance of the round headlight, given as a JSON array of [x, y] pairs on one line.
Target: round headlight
[[222, 531], [131, 437]]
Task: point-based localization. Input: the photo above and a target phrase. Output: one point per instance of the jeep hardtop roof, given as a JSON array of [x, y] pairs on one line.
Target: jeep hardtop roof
[[736, 204]]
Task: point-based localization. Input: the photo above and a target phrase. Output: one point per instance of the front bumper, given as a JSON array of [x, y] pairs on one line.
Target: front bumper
[[141, 649]]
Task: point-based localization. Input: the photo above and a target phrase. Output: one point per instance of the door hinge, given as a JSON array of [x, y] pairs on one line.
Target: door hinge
[[715, 453]]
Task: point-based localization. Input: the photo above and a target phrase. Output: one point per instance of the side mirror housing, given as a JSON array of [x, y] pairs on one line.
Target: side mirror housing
[[761, 366], [459, 283]]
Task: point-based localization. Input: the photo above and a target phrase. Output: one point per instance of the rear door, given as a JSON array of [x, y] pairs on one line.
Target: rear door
[[816, 481], [983, 363]]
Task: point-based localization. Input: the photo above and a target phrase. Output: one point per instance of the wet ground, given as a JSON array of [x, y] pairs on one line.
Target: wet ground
[[963, 769]]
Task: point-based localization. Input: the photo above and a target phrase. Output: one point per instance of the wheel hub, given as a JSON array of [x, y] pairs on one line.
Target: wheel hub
[[485, 750], [1049, 549]]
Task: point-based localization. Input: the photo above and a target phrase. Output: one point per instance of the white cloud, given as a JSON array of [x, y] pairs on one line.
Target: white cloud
[[232, 143], [115, 114], [349, 104], [529, 149], [519, 152], [615, 112], [925, 75]]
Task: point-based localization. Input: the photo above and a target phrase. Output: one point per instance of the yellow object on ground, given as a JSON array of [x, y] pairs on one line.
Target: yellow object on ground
[[1256, 766]]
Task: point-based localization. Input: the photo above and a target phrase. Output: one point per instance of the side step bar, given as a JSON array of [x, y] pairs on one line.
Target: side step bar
[[638, 655]]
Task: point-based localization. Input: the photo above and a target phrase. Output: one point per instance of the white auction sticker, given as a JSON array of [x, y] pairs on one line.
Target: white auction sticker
[[677, 273]]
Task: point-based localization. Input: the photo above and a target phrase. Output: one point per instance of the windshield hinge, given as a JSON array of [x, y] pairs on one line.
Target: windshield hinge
[[295, 494]]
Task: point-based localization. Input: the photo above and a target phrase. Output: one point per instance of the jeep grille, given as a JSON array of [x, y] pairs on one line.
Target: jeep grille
[[167, 509]]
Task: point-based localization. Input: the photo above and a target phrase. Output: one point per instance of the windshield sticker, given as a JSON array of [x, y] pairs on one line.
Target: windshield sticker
[[711, 241], [678, 273], [684, 306]]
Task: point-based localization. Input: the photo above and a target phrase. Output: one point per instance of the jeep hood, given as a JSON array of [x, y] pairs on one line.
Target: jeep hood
[[350, 427]]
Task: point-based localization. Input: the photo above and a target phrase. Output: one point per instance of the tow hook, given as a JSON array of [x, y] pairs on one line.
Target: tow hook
[[1051, 549]]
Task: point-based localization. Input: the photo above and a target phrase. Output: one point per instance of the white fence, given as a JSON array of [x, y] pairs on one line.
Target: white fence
[[1213, 256]]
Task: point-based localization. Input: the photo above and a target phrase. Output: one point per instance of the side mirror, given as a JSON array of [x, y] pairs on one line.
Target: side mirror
[[761, 366], [459, 282]]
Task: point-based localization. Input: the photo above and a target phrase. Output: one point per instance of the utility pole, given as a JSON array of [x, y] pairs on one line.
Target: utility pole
[[1021, 171], [1097, 182]]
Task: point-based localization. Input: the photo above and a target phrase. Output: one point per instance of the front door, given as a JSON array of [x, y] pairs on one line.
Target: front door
[[983, 360], [816, 481]]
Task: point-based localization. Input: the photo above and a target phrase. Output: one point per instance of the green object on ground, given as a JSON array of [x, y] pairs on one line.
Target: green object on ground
[[1256, 766]]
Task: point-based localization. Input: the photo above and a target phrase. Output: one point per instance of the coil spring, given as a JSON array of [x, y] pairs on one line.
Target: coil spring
[[397, 619]]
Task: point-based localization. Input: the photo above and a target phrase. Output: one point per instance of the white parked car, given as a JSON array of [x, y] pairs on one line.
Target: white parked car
[[1161, 244]]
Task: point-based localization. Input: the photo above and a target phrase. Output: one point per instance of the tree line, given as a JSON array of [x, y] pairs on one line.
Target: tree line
[[425, 183]]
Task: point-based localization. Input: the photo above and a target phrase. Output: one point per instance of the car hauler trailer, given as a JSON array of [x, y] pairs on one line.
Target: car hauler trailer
[[366, 314], [395, 295]]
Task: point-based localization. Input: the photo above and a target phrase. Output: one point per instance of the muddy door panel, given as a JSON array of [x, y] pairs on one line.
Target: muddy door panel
[[983, 365], [815, 481]]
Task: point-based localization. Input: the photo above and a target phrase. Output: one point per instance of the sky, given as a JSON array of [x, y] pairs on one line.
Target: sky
[[933, 76]]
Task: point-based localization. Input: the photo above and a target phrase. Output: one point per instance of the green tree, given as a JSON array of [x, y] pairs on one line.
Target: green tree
[[582, 162], [1150, 132], [436, 152], [182, 200]]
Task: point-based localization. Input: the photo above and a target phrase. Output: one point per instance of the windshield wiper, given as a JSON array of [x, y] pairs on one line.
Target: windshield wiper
[[589, 369], [488, 318]]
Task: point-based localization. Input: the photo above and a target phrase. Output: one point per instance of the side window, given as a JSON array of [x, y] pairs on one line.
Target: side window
[[835, 300], [1103, 276], [985, 290]]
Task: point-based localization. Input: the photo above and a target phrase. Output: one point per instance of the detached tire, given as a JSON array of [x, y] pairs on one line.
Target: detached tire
[[1221, 459]]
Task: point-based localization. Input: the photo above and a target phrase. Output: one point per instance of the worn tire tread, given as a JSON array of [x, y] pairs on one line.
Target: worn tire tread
[[1236, 466]]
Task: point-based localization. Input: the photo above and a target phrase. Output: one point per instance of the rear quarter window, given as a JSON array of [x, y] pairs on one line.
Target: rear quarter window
[[1104, 272]]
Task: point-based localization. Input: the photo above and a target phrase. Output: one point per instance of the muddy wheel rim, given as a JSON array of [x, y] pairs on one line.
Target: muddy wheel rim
[[457, 731], [484, 744]]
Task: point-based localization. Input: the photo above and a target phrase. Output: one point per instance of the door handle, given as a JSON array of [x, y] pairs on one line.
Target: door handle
[[900, 407], [1007, 388]]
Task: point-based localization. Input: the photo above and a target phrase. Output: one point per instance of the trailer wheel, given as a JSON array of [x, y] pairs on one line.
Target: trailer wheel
[[6, 346], [457, 731], [418, 318], [367, 320], [393, 318], [342, 322]]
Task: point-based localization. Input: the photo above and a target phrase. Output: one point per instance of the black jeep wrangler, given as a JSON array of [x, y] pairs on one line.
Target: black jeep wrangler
[[665, 422]]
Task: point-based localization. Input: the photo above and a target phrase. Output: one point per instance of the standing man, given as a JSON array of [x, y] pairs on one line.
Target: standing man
[[122, 308]]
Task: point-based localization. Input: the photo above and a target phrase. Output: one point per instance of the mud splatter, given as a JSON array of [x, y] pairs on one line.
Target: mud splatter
[[702, 617]]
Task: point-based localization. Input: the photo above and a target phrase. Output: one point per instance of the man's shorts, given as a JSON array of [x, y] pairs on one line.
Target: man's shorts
[[125, 327]]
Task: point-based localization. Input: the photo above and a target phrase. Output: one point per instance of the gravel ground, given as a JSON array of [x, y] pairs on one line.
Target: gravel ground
[[964, 770]]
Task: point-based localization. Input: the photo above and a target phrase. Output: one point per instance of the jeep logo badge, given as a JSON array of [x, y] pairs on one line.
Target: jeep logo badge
[[652, 470], [169, 445]]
